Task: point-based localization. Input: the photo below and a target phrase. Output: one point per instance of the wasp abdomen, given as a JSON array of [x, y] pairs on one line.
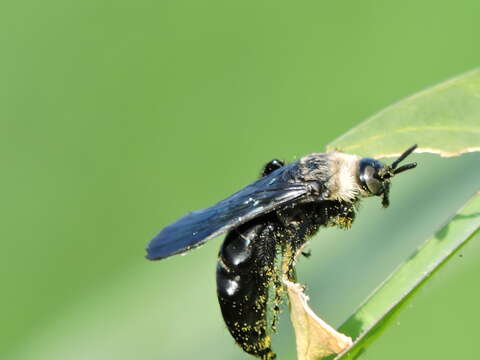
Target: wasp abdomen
[[244, 271]]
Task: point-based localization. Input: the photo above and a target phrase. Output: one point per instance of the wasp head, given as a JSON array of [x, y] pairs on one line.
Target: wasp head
[[375, 176]]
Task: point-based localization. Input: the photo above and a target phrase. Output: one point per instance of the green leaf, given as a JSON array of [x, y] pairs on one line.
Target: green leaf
[[444, 119], [369, 319]]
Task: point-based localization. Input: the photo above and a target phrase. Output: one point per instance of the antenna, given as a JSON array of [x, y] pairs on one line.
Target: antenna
[[404, 167], [401, 158], [392, 170]]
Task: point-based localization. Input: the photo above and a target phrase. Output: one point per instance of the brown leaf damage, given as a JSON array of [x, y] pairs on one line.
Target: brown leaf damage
[[315, 338]]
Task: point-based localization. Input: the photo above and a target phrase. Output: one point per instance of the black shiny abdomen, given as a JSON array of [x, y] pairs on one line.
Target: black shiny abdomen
[[246, 266], [244, 272]]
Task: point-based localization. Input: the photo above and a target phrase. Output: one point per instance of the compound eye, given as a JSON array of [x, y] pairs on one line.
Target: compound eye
[[374, 185], [368, 176]]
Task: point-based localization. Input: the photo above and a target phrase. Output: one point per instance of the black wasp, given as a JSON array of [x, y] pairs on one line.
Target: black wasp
[[268, 223]]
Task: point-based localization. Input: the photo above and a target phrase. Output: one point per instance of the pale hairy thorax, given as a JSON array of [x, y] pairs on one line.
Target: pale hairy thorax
[[343, 182]]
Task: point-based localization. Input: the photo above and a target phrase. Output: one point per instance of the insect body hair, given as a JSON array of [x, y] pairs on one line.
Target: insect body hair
[[343, 182], [337, 172]]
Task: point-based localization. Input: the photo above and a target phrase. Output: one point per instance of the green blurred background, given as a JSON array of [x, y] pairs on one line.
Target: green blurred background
[[117, 117]]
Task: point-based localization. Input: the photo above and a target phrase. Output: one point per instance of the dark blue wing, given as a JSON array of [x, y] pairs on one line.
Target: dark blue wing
[[263, 196]]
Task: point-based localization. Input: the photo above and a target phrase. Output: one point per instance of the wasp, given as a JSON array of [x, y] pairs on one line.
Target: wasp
[[273, 218]]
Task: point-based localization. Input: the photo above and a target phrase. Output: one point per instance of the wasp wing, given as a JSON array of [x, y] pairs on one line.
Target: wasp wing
[[260, 197]]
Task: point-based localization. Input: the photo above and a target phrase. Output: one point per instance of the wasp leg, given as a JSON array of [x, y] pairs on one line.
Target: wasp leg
[[307, 253], [271, 166], [289, 269], [245, 271]]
